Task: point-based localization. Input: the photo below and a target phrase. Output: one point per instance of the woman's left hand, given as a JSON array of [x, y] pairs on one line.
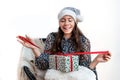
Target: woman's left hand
[[100, 58], [103, 57]]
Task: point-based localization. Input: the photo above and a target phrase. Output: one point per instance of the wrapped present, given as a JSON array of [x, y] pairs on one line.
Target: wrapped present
[[64, 63]]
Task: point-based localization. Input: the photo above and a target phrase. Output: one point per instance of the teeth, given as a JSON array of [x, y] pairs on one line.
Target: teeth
[[66, 28]]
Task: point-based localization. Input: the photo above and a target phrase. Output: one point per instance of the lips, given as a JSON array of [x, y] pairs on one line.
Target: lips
[[66, 28]]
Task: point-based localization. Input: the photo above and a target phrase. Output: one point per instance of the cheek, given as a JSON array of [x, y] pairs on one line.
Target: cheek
[[73, 24], [60, 24], [61, 28]]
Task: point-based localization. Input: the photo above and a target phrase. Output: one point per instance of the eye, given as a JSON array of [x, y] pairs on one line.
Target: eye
[[70, 20], [62, 20]]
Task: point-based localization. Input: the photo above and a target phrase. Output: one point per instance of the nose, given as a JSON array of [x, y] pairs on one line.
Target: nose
[[66, 22]]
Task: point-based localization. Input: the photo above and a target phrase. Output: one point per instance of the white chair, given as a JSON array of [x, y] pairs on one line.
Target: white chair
[[26, 68], [28, 71]]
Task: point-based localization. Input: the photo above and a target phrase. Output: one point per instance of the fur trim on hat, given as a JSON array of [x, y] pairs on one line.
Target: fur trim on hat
[[73, 12]]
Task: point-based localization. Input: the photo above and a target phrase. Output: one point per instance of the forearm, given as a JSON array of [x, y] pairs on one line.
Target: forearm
[[93, 64], [36, 52], [42, 62], [41, 59]]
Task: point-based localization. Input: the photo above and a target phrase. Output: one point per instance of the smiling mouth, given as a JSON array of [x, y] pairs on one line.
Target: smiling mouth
[[67, 28]]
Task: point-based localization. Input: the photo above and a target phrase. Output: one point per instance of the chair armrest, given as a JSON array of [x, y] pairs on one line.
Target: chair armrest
[[29, 73]]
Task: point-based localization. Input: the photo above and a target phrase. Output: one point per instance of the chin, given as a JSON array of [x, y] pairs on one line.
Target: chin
[[67, 32]]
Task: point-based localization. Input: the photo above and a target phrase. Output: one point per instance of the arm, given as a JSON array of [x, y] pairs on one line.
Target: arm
[[100, 58], [42, 60], [86, 60]]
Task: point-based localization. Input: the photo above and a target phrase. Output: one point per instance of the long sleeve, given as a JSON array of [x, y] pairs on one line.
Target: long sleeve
[[86, 60], [42, 62]]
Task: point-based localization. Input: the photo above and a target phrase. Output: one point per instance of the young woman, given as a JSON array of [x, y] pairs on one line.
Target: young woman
[[68, 39]]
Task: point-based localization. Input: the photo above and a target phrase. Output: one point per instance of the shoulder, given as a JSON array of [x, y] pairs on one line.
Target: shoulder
[[84, 39], [52, 34]]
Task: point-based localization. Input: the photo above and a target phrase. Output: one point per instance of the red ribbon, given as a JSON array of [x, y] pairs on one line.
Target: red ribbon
[[71, 65], [78, 53], [27, 40], [71, 61]]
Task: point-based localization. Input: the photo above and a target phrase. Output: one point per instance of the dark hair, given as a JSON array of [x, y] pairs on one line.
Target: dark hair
[[76, 33]]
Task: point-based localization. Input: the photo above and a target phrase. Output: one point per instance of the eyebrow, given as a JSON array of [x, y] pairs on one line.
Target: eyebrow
[[67, 18]]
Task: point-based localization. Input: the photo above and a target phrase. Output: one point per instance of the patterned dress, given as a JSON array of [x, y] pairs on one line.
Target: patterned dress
[[68, 46]]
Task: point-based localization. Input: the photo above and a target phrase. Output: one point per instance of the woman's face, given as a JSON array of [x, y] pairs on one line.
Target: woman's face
[[67, 24]]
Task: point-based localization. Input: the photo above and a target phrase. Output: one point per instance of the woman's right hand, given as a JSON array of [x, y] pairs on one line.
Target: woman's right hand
[[25, 43], [35, 49]]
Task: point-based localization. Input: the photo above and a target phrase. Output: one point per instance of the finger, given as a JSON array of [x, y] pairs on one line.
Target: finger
[[28, 37], [107, 59], [21, 42], [109, 54]]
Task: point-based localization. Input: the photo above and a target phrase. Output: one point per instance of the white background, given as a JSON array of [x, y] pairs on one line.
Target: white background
[[37, 18]]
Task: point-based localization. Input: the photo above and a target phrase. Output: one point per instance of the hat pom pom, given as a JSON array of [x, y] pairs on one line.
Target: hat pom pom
[[79, 18]]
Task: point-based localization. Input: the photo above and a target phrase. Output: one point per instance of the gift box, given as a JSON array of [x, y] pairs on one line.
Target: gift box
[[64, 63]]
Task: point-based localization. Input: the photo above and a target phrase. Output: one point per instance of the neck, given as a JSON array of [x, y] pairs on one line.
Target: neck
[[67, 36]]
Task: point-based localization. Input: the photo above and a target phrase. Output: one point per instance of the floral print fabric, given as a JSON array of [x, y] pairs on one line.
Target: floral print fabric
[[68, 46]]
